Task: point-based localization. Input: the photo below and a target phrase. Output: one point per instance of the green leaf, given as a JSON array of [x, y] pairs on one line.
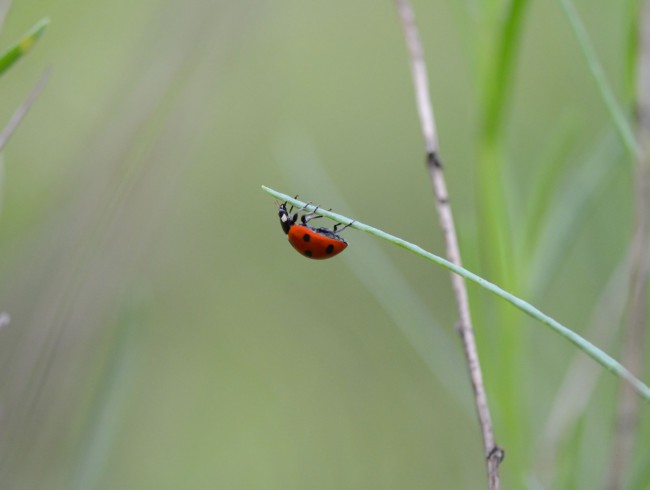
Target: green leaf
[[22, 47]]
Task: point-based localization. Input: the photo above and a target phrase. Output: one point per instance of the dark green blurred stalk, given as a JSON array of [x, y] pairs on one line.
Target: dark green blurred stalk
[[104, 416], [634, 354], [633, 8], [497, 252]]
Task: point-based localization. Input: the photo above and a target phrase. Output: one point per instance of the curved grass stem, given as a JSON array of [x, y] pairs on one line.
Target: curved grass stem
[[587, 347]]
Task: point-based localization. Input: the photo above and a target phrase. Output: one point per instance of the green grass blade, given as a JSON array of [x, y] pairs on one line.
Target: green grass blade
[[587, 347], [22, 110], [618, 116], [22, 47], [567, 208], [107, 409], [501, 72], [499, 64], [549, 168], [633, 14]]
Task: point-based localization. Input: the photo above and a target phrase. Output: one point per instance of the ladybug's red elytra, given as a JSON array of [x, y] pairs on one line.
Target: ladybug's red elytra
[[315, 243]]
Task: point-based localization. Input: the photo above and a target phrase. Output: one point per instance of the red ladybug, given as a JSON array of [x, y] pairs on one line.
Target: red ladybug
[[315, 243]]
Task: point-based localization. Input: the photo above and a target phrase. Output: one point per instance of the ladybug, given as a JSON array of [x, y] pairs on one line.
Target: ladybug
[[315, 243]]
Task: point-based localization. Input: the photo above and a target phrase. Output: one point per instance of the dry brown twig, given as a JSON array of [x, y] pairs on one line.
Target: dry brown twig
[[493, 453]]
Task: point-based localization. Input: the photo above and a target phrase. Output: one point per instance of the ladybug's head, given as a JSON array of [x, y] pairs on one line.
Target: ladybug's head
[[286, 220]]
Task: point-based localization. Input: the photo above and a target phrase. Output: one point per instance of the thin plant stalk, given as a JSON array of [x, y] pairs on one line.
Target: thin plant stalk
[[22, 110], [617, 115], [5, 6], [497, 255], [493, 454]]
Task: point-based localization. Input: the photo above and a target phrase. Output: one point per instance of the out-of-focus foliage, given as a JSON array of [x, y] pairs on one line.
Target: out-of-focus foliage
[[164, 335]]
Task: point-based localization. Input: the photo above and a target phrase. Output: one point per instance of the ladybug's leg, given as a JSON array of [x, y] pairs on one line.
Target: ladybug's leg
[[309, 216], [339, 224], [294, 217], [291, 208], [305, 206]]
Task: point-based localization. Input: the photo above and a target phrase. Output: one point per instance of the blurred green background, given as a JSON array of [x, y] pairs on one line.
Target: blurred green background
[[164, 335]]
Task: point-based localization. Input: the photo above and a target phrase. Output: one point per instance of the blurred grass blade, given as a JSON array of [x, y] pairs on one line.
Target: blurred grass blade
[[580, 380], [21, 112], [618, 116], [568, 207], [22, 47], [587, 347], [5, 6], [383, 279], [549, 168], [5, 319], [110, 399]]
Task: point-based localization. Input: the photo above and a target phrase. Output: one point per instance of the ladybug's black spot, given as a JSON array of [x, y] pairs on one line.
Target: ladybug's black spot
[[329, 249], [308, 252], [306, 237]]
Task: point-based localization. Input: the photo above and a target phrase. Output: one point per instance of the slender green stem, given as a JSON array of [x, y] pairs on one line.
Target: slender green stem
[[501, 70], [20, 48], [497, 258], [621, 123], [587, 347], [498, 95]]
